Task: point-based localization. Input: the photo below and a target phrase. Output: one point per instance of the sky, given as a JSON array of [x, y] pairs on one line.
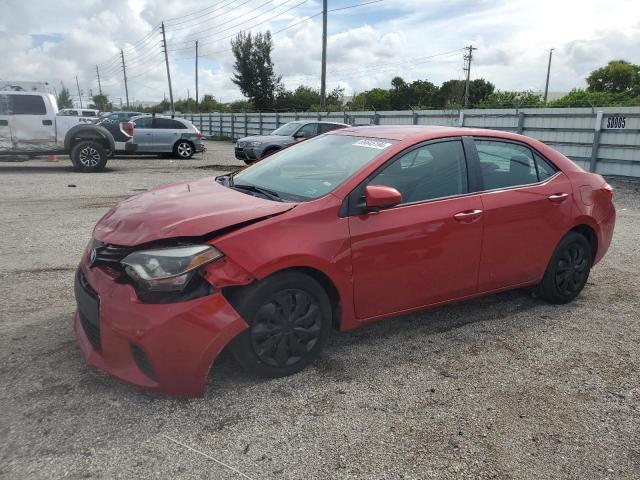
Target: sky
[[53, 41]]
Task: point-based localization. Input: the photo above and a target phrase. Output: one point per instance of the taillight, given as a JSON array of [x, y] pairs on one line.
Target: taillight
[[128, 128], [198, 134], [607, 190]]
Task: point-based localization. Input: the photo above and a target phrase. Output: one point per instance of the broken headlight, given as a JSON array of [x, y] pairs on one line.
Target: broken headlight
[[168, 269]]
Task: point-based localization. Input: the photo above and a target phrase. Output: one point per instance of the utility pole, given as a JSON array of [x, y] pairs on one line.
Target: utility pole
[[99, 84], [546, 86], [124, 71], [196, 75], [468, 57], [79, 93], [166, 60], [323, 79]]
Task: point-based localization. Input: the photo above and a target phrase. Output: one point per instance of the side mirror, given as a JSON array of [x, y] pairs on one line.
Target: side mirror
[[381, 196]]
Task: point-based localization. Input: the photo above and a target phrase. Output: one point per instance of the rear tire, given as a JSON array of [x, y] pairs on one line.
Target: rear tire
[[184, 149], [289, 318], [568, 270], [88, 156]]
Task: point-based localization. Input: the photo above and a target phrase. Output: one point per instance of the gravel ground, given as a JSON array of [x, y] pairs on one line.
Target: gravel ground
[[502, 387]]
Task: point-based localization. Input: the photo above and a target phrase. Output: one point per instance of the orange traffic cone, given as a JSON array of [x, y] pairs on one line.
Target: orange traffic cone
[[52, 158]]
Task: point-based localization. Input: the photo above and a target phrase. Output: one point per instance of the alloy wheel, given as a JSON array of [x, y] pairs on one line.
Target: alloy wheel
[[89, 157], [572, 269], [286, 328], [184, 150]]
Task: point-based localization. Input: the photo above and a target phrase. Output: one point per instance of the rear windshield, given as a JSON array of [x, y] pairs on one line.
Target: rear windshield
[[313, 168]]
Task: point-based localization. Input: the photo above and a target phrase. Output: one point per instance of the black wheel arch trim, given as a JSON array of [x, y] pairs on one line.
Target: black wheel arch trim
[[95, 132], [234, 294]]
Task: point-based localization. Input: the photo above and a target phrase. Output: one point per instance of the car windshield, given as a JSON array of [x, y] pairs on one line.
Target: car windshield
[[287, 129], [312, 168]]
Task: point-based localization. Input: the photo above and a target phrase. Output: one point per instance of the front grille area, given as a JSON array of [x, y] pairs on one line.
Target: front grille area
[[142, 361], [110, 255]]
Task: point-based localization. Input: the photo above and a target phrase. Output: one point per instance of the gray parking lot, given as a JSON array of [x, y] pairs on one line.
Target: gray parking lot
[[502, 387]]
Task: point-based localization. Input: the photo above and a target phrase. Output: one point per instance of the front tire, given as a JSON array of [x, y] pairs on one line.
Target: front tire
[[289, 317], [568, 270], [269, 152], [184, 150], [88, 156]]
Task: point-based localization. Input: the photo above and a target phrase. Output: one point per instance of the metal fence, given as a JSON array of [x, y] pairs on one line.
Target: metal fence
[[606, 140]]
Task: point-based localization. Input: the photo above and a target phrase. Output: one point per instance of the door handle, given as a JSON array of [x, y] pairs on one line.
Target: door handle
[[468, 216], [47, 122], [558, 197]]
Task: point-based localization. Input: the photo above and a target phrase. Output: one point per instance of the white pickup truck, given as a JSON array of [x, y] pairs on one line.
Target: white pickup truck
[[30, 125]]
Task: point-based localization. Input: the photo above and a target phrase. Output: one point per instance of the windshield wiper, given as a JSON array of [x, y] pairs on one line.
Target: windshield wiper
[[270, 194]]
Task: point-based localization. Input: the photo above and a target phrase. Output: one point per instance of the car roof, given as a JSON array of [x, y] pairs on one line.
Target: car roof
[[309, 120], [145, 115], [422, 132]]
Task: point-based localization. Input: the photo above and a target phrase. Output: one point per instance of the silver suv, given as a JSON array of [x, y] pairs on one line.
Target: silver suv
[[252, 149], [156, 134]]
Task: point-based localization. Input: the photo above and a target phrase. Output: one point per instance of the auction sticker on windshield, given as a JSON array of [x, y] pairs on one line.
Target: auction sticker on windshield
[[372, 144]]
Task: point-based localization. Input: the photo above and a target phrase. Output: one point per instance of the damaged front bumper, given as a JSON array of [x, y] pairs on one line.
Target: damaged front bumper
[[165, 347]]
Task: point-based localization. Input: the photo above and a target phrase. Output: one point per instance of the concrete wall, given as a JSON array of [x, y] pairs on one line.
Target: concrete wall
[[596, 141]]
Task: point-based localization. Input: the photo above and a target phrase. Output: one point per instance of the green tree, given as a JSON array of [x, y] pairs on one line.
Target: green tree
[[308, 99], [209, 104], [376, 98], [618, 76], [585, 98], [451, 93], [506, 99], [239, 106], [101, 102], [64, 99], [253, 68], [423, 93]]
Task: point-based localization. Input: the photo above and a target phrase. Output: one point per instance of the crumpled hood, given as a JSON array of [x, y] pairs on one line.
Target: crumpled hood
[[266, 138], [189, 209]]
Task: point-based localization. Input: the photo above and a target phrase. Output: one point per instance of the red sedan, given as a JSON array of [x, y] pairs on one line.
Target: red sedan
[[335, 232]]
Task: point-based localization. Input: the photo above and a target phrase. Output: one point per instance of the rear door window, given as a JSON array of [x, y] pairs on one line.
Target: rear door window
[[545, 169], [327, 127], [28, 105], [504, 164], [168, 124]]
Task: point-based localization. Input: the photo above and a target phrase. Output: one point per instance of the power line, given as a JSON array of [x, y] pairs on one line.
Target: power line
[[214, 33], [206, 54], [233, 35], [191, 23], [170, 21], [354, 6]]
